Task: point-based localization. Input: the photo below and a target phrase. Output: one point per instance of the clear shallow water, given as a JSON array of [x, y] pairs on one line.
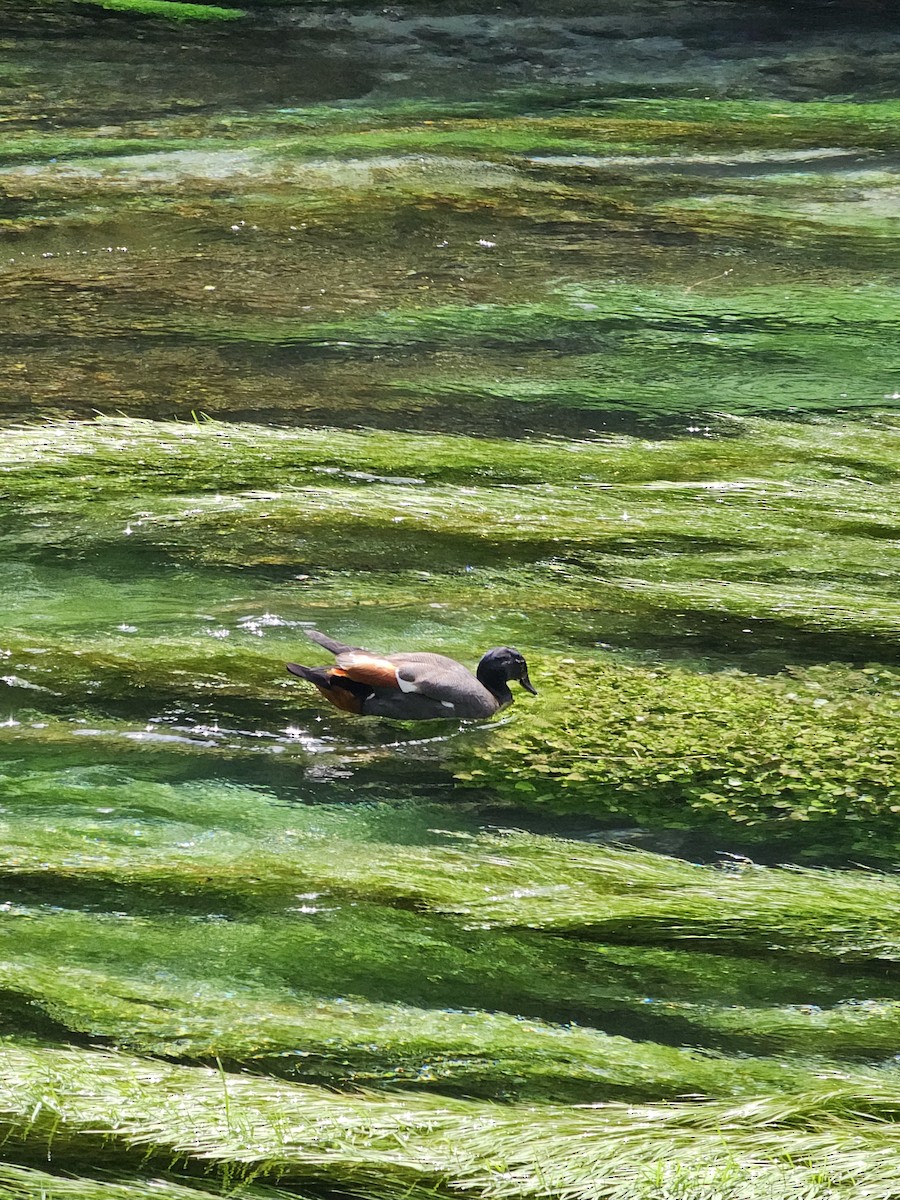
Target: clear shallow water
[[610, 379]]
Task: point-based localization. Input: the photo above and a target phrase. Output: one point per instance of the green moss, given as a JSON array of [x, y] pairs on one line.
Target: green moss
[[169, 9]]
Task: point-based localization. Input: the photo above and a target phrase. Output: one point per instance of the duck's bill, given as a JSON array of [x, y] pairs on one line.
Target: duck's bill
[[527, 684]]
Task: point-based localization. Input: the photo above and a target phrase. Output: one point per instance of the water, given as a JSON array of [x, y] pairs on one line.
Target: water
[[445, 331]]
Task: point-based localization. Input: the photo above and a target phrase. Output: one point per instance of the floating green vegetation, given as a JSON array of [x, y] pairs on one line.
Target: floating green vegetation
[[169, 10], [806, 757], [619, 128], [678, 748], [853, 1029], [324, 991]]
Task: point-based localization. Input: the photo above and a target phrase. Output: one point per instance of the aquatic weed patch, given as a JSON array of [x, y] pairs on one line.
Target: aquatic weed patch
[[817, 750], [510, 882], [656, 352], [169, 10], [352, 1043], [783, 529]]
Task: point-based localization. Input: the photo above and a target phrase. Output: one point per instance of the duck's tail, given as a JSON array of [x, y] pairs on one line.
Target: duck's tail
[[316, 675], [322, 639]]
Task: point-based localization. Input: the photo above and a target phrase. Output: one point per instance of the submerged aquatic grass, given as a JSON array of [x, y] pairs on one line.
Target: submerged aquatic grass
[[253, 948], [120, 454], [349, 993], [589, 526], [28, 1183], [517, 881], [352, 1043], [406, 1144]]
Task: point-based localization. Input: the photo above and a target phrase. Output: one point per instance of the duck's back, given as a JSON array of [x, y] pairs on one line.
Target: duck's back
[[431, 686]]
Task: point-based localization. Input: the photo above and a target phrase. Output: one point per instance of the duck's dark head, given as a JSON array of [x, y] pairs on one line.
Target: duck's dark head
[[500, 665]]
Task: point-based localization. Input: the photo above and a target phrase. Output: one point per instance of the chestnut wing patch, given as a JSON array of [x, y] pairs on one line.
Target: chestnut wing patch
[[349, 698], [367, 668]]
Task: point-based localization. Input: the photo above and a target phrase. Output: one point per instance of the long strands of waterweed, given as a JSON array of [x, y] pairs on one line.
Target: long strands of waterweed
[[26, 1183], [128, 456], [851, 1029], [378, 1146], [523, 881], [350, 1042], [320, 988]]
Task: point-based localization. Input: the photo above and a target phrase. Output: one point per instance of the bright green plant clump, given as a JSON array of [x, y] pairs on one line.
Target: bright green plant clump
[[817, 749], [169, 9]]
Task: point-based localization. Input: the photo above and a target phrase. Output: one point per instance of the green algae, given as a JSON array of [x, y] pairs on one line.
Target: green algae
[[114, 455], [855, 1029], [87, 149], [627, 129], [169, 10]]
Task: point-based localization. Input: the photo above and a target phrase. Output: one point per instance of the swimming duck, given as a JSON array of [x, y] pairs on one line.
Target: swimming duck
[[413, 686]]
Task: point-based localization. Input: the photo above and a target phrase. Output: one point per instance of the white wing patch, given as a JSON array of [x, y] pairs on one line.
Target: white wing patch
[[448, 704], [405, 685]]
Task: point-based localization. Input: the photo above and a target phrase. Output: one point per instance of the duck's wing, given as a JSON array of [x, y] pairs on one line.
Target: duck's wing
[[365, 667], [402, 706], [431, 675], [446, 682]]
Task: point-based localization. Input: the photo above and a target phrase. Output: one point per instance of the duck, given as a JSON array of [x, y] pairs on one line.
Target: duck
[[413, 686]]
